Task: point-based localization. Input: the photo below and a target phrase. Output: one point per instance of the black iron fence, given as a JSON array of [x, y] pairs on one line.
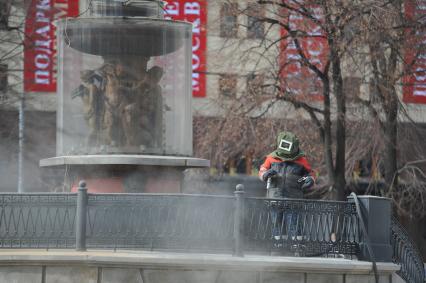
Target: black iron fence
[[150, 221], [303, 227], [406, 254], [203, 223], [37, 220]]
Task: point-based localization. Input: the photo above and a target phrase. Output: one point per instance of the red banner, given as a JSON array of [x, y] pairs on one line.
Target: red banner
[[40, 42], [296, 77], [414, 89], [195, 12]]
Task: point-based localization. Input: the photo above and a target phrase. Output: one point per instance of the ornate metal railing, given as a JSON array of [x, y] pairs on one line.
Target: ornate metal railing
[[149, 221], [406, 255], [304, 227], [178, 222], [206, 223], [37, 220]]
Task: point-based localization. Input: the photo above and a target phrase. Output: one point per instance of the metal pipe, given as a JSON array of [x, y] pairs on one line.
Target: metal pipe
[[21, 143]]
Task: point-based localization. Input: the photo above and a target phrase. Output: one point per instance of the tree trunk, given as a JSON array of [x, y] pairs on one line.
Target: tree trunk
[[339, 168], [384, 70], [327, 140], [390, 142], [391, 124]]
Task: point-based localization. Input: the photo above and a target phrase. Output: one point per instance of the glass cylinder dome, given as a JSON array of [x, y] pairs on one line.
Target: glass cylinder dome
[[124, 86]]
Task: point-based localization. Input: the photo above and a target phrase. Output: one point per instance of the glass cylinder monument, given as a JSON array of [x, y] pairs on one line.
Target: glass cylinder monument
[[124, 97], [124, 85]]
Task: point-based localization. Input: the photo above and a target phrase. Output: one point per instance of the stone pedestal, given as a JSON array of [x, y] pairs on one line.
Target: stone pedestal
[[125, 173], [146, 267]]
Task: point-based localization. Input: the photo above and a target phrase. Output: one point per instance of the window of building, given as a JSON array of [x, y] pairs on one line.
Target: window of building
[[254, 84], [240, 164], [4, 13], [229, 20], [255, 27], [228, 85], [367, 168], [3, 79]]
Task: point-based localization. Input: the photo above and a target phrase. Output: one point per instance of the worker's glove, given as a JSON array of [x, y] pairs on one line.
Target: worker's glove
[[306, 182], [268, 174]]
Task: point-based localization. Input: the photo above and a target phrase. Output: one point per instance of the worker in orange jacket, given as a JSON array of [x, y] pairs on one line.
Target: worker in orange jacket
[[288, 167], [287, 172]]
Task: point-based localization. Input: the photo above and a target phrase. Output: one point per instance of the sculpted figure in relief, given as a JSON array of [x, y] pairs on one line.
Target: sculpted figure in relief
[[123, 103]]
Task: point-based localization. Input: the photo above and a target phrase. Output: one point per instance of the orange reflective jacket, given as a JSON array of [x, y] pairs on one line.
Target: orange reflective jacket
[[269, 160]]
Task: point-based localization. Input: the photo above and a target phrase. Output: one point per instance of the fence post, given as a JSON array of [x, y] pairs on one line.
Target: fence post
[[80, 230], [238, 221], [376, 214]]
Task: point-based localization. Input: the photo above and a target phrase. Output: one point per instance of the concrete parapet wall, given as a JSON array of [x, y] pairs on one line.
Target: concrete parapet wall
[[28, 266]]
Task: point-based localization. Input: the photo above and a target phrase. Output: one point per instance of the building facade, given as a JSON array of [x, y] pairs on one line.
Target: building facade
[[231, 61]]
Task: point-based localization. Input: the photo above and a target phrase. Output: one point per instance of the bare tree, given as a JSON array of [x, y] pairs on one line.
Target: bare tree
[[318, 91], [11, 45], [389, 34], [12, 19], [387, 30], [15, 103], [367, 36]]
